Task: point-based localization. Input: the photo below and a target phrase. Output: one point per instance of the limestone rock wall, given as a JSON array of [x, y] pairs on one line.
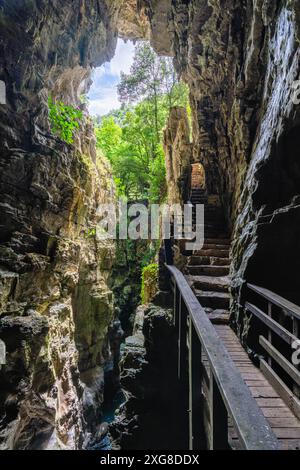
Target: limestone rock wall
[[266, 246], [178, 156], [154, 414], [55, 303], [132, 21], [241, 61]]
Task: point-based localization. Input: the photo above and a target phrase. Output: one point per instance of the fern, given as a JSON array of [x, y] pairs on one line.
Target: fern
[[64, 120]]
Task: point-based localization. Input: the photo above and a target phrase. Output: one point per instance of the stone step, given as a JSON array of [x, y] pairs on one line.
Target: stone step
[[208, 232], [213, 252], [192, 236], [218, 317], [214, 227], [213, 210], [212, 241], [214, 221], [211, 234], [220, 235], [207, 208], [214, 300], [208, 260], [215, 246], [209, 283], [208, 270]]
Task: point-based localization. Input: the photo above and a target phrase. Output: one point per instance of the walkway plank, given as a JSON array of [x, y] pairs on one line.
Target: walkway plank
[[207, 274], [284, 423]]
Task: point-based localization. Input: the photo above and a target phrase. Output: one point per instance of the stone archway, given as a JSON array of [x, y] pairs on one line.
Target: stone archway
[[198, 180]]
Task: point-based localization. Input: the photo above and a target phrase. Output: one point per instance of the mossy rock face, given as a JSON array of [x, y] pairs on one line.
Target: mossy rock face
[[149, 282]]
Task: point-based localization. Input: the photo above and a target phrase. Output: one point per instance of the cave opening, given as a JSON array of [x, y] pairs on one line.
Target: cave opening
[[100, 336], [130, 101]]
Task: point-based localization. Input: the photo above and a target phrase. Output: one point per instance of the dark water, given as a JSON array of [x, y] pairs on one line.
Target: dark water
[[109, 407], [113, 398]]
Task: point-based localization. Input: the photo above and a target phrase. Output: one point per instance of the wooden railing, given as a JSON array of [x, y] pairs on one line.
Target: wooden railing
[[203, 355], [279, 353]]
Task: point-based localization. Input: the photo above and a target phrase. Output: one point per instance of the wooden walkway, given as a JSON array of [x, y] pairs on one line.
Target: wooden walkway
[[281, 419], [242, 406]]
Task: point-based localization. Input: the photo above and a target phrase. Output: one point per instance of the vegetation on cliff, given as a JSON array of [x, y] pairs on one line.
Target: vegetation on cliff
[[149, 282], [64, 119]]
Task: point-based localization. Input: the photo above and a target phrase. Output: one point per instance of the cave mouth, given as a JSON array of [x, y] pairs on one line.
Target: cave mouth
[[102, 97], [68, 302], [130, 103]]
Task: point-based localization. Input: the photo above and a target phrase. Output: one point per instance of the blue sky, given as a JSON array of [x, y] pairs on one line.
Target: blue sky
[[103, 96]]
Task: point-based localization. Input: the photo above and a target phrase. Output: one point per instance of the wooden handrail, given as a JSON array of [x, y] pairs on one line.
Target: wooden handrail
[[289, 307], [282, 332], [251, 426], [289, 394]]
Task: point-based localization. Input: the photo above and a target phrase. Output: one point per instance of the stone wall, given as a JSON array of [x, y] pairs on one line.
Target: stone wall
[[178, 156], [55, 303], [240, 60], [154, 414]]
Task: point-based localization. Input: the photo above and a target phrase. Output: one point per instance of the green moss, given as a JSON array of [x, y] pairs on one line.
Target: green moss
[[87, 162], [149, 282]]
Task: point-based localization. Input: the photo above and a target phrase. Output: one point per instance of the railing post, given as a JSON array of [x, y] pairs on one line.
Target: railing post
[[270, 335], [296, 388], [182, 340], [218, 418], [180, 328], [195, 390], [175, 301]]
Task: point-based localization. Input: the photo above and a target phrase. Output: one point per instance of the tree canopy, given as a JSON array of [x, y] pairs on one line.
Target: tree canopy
[[131, 137]]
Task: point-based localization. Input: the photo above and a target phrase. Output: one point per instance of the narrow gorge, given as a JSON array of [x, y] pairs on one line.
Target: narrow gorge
[[77, 324]]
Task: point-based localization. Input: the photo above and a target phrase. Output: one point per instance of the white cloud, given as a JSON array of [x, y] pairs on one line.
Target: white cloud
[[123, 58], [103, 95], [102, 106]]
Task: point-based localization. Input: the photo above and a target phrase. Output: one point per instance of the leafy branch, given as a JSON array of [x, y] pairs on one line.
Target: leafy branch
[[64, 119]]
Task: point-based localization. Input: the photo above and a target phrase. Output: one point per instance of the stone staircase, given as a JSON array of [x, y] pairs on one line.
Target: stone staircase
[[197, 176], [207, 270]]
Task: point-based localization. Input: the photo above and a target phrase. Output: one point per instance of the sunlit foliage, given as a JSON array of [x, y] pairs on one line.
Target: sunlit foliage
[[131, 138]]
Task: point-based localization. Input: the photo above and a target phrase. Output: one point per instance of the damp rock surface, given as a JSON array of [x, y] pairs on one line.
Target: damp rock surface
[[152, 416], [240, 60]]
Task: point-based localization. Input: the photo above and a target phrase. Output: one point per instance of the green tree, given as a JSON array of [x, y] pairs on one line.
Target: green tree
[[151, 77], [131, 137]]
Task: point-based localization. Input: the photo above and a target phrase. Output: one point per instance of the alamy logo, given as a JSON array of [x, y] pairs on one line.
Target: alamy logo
[[2, 92], [296, 354], [296, 92], [141, 222]]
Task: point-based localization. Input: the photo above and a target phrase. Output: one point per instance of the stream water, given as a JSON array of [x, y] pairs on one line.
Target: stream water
[[113, 398], [109, 407]]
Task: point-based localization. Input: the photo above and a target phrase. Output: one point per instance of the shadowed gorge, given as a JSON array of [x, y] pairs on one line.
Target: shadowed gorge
[[102, 329]]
